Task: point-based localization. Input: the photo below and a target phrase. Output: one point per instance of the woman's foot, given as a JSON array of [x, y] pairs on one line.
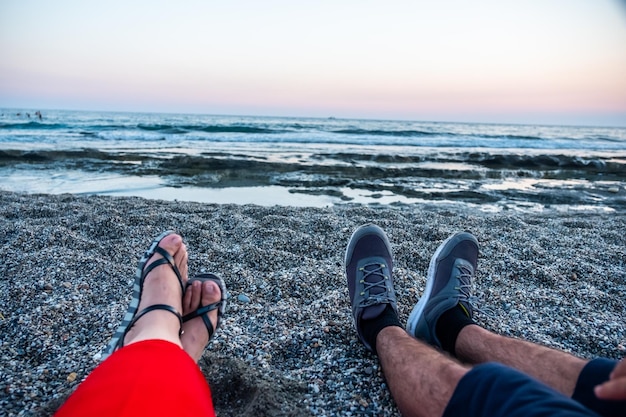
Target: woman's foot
[[195, 335], [161, 286]]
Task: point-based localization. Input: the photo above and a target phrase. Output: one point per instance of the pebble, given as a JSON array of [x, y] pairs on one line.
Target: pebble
[[243, 298]]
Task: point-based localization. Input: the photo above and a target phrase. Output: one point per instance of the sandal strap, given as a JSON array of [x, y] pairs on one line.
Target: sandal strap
[[154, 307], [203, 312], [208, 325], [166, 259]]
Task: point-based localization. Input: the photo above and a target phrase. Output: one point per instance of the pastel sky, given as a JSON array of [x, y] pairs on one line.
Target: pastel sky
[[522, 61]]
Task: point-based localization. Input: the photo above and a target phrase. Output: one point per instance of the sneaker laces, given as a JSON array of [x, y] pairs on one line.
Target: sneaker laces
[[465, 293], [378, 293]]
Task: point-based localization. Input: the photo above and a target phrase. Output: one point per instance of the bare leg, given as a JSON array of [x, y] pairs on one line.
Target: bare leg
[[195, 335], [161, 287], [415, 370], [557, 369]]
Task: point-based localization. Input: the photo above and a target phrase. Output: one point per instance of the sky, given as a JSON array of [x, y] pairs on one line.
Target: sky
[[524, 61]]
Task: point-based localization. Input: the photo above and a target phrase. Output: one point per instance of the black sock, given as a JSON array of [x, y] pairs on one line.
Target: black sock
[[371, 328], [449, 326]]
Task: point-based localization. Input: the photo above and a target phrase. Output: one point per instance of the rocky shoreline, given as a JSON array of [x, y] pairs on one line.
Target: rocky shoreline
[[287, 346]]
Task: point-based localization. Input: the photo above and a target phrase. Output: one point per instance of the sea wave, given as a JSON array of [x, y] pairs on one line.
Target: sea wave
[[181, 129], [173, 129], [351, 165], [377, 132], [94, 130], [33, 125]]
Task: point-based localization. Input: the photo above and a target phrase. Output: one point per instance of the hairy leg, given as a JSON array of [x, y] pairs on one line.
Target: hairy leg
[[555, 368], [421, 379]]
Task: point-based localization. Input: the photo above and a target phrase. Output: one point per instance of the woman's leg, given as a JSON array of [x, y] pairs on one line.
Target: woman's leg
[[151, 374]]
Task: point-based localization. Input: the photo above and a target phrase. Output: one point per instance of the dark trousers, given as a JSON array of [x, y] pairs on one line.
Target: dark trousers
[[494, 390]]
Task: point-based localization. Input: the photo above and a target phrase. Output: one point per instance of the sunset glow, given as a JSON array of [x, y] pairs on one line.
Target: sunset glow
[[556, 61]]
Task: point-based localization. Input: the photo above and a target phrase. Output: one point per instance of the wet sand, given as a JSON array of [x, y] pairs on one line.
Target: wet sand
[[287, 346]]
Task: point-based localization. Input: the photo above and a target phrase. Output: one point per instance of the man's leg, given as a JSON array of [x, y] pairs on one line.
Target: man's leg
[[413, 370], [443, 318], [421, 379], [425, 382], [555, 368], [572, 376]]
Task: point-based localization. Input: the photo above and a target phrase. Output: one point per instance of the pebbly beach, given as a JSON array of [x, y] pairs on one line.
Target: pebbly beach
[[287, 345]]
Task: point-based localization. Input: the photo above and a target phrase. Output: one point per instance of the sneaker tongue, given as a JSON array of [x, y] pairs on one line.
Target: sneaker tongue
[[375, 310]]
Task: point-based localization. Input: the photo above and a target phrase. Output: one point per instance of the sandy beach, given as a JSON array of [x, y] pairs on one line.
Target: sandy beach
[[287, 346]]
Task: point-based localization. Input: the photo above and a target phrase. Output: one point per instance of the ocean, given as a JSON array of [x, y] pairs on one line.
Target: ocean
[[313, 161]]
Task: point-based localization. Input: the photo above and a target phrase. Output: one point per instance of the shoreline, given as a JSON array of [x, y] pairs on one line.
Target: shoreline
[[554, 278], [607, 199]]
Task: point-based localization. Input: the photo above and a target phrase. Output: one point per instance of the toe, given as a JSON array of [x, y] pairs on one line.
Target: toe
[[195, 335], [211, 293], [193, 295], [174, 245]]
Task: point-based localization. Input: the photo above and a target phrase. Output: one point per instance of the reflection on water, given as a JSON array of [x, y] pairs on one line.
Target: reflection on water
[[155, 187], [519, 184]]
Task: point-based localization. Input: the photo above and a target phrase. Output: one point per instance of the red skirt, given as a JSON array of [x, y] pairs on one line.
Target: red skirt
[[148, 378]]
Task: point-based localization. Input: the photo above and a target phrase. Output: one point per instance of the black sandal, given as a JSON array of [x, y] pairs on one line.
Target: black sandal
[[203, 311], [132, 316]]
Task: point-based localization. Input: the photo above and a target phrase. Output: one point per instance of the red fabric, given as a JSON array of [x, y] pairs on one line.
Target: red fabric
[[148, 378]]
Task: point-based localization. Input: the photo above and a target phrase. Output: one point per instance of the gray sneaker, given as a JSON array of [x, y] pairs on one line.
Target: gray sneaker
[[448, 284], [369, 265]]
